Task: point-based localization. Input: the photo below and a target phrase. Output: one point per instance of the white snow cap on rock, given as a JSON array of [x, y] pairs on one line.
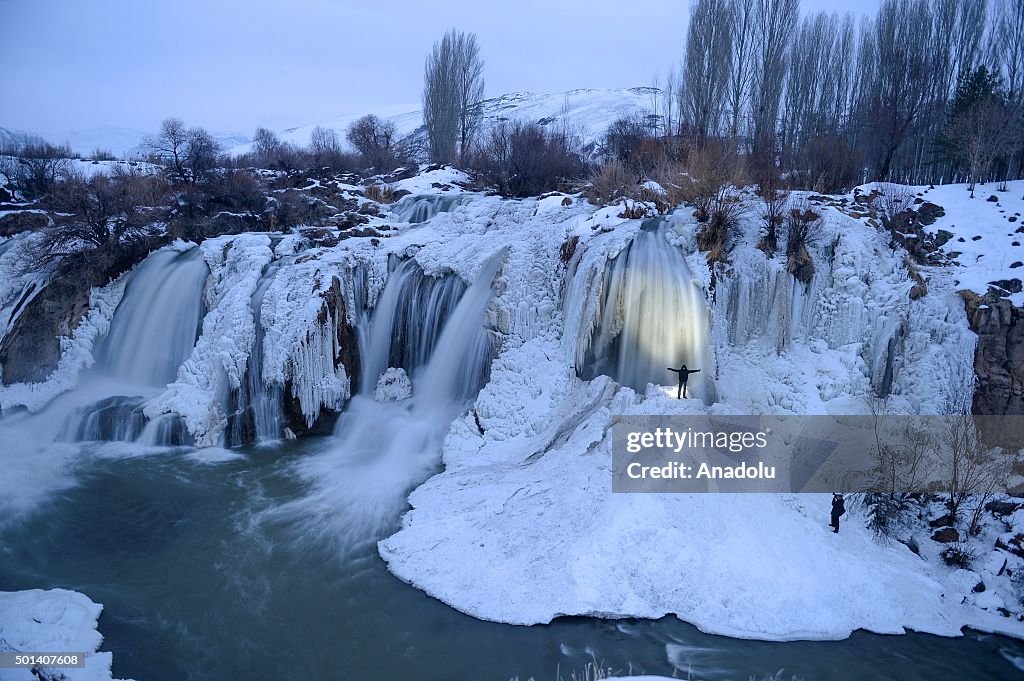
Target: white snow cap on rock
[[57, 620], [394, 385]]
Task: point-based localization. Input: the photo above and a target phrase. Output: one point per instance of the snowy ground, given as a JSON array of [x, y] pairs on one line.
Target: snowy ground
[[54, 621], [986, 245]]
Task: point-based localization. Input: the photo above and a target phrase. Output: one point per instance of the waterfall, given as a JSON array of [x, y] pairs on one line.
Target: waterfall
[[157, 322], [651, 316], [416, 209], [408, 321], [259, 411], [152, 332], [384, 449]]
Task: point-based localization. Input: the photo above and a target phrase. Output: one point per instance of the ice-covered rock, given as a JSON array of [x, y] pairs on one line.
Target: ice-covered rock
[[54, 621], [394, 385]]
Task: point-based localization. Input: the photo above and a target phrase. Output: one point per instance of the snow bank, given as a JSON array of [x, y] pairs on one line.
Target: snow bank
[[54, 621], [986, 235]]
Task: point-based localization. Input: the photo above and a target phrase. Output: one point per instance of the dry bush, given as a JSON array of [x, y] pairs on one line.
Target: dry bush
[[801, 224], [610, 182], [715, 237], [380, 192], [892, 200], [527, 159], [710, 166], [775, 201]]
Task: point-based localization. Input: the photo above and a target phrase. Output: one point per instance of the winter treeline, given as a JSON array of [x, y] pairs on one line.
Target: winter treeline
[[924, 91]]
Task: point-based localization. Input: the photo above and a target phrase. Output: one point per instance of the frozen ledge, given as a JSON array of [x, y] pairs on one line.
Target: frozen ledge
[[53, 621], [509, 538]]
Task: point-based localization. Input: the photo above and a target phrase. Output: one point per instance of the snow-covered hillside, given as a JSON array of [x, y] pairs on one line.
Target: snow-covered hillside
[[122, 142], [588, 112]]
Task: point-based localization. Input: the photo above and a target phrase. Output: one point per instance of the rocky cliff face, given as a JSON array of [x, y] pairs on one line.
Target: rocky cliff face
[[31, 348], [999, 356]]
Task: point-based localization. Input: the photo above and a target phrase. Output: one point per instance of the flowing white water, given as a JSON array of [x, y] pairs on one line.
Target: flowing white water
[[407, 322], [385, 449], [652, 315], [416, 209], [259, 402], [152, 332], [156, 324]]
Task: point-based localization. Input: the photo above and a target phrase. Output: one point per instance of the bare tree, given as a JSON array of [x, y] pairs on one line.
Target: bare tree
[[169, 144], [266, 144], [324, 146], [1007, 44], [896, 74], [191, 153], [817, 89], [453, 86], [775, 21], [974, 471], [741, 64], [374, 138], [980, 134], [708, 56]]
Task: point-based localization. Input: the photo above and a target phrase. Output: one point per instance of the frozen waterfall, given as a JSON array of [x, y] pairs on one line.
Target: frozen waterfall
[[650, 315], [384, 449]]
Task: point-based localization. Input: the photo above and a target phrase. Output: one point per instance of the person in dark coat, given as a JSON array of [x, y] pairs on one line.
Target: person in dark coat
[[838, 510], [684, 374]]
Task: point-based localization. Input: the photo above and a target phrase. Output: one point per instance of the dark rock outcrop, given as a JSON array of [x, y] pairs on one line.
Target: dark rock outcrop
[[30, 350], [947, 535], [999, 355]]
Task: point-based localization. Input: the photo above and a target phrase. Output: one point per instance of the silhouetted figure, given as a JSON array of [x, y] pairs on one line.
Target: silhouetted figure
[[684, 374], [838, 510]]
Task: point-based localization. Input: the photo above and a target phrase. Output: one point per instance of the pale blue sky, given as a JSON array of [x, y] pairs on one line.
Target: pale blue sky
[[73, 64]]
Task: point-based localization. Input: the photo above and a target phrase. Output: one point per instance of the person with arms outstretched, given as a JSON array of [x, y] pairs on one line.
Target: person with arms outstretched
[[684, 374]]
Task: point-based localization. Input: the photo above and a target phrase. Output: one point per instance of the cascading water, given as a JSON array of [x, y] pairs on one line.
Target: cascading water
[[408, 322], [158, 320], [152, 332], [259, 413], [387, 448], [416, 209], [651, 316]]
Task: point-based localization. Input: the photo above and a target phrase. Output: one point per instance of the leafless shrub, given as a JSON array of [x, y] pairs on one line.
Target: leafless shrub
[[801, 223], [610, 182], [34, 169], [374, 138], [380, 192], [715, 237], [527, 159], [772, 216], [892, 200]]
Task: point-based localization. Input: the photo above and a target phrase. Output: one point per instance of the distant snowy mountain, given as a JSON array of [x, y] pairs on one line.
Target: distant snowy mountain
[[121, 142], [15, 138], [589, 112]]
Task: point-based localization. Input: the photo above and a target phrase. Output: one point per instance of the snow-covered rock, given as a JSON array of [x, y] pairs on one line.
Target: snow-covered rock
[[54, 621], [394, 385]]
